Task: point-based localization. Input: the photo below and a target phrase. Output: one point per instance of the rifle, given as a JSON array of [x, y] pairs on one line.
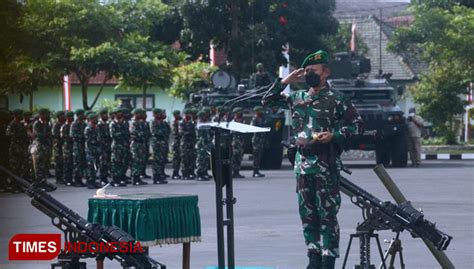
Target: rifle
[[76, 228]]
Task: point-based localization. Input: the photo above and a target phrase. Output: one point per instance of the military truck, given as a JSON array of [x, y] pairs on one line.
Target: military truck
[[385, 129], [225, 88]]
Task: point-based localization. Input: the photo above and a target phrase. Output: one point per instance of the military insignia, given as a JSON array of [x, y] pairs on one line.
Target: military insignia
[[317, 57]]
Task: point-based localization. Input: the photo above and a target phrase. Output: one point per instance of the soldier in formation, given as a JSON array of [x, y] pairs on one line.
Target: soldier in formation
[[176, 146], [187, 132], [160, 143], [203, 147], [139, 134], [258, 141], [237, 145]]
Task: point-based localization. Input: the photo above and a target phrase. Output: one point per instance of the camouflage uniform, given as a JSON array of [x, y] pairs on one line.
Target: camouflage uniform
[[28, 123], [258, 142], [159, 143], [237, 146], [4, 145], [18, 148], [318, 189], [139, 135], [175, 147], [105, 144], [58, 147], [78, 148], [203, 148], [40, 148], [187, 131], [68, 144], [92, 150], [120, 148]]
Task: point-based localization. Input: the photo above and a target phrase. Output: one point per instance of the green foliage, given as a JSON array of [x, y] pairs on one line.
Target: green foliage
[[191, 78], [439, 35], [341, 40], [434, 141], [109, 104]]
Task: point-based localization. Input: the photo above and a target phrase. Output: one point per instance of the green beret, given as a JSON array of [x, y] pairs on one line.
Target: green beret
[[137, 111], [17, 112], [201, 113], [157, 110], [88, 112], [194, 111], [187, 111], [59, 113], [318, 57], [91, 115], [79, 112], [103, 111], [259, 66], [176, 112], [43, 111], [69, 114], [237, 110], [258, 108]]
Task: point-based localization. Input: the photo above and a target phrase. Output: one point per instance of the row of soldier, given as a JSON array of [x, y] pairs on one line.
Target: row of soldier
[[100, 148]]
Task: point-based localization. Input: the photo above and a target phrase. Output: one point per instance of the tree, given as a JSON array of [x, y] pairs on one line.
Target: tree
[[255, 31], [190, 78], [440, 35], [340, 41]]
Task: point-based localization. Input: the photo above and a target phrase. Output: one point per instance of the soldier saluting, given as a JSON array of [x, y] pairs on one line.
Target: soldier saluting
[[322, 121]]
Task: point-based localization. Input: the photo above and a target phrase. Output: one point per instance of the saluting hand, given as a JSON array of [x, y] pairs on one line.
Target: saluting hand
[[293, 76]]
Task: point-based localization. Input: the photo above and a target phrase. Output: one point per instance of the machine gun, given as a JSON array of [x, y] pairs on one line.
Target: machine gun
[[78, 229], [379, 215]]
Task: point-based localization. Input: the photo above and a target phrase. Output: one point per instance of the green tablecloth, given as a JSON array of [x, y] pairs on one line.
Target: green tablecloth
[[152, 219]]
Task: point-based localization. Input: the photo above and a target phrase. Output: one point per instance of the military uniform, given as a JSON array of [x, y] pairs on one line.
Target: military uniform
[[187, 131], [4, 145], [78, 148], [175, 147], [92, 150], [258, 141], [159, 143], [237, 145], [28, 123], [58, 147], [67, 149], [316, 163], [203, 148], [105, 146], [139, 135], [18, 148], [40, 148], [120, 143]]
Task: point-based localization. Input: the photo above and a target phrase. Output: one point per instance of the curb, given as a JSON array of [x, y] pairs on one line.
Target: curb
[[447, 156]]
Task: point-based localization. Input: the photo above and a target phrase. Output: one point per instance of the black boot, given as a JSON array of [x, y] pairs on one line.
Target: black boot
[[78, 183], [328, 262], [256, 173], [160, 180], [91, 184], [175, 175], [315, 261], [202, 177], [138, 181], [237, 174]]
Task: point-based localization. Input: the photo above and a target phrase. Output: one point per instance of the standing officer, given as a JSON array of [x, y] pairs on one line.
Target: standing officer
[[78, 148], [105, 143], [92, 150], [28, 122], [415, 126], [167, 135], [139, 135], [258, 141], [203, 147], [175, 147], [40, 148], [187, 131], [237, 145], [144, 174], [159, 143], [322, 120], [58, 147], [68, 145], [18, 148], [120, 136], [127, 116]]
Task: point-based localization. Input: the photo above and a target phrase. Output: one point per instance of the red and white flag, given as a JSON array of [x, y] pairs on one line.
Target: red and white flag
[[353, 37], [67, 93]]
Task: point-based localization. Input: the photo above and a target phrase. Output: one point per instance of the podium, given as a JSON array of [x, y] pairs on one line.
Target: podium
[[221, 166]]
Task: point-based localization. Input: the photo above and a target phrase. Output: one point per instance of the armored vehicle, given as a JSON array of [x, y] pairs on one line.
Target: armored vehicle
[[385, 126], [225, 88]]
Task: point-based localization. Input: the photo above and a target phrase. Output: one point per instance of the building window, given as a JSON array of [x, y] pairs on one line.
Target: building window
[[136, 100]]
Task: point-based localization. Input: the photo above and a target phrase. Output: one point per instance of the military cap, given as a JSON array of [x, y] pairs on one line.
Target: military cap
[[157, 110], [91, 115], [187, 111], [88, 112], [258, 108], [79, 112], [259, 66], [194, 110], [103, 111], [43, 111], [138, 111], [17, 112], [70, 114], [318, 57], [237, 110], [59, 113], [201, 113], [176, 112]]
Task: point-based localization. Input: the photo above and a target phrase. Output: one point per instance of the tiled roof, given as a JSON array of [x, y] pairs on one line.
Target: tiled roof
[[356, 8]]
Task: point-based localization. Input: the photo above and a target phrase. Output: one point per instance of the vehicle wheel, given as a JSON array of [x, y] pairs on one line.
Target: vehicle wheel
[[382, 153], [399, 151]]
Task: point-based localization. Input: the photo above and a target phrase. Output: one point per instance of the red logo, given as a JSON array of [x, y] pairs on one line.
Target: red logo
[[34, 247]]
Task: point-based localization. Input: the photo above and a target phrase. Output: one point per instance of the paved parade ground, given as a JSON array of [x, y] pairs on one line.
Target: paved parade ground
[[267, 226]]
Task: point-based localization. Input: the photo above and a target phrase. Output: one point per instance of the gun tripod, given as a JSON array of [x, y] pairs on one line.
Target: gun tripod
[[364, 250]]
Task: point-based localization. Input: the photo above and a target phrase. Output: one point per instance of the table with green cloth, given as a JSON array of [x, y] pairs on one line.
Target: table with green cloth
[[151, 218]]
